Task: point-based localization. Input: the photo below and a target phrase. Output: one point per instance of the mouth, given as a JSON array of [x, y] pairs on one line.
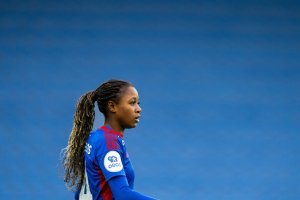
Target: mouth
[[137, 119]]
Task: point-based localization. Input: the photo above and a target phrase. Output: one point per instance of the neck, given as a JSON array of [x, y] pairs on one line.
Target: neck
[[114, 125]]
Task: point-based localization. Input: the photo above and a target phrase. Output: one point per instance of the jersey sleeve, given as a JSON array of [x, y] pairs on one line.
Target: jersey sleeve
[[122, 191], [111, 164]]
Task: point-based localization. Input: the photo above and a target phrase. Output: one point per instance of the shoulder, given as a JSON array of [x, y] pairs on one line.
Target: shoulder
[[96, 143], [103, 141], [96, 137]]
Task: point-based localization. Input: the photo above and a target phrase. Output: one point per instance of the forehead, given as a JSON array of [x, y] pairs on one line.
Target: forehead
[[130, 92]]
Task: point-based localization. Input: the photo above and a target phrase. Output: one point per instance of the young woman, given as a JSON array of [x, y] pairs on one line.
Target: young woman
[[96, 163]]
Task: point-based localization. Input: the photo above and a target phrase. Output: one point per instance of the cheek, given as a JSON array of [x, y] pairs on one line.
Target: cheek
[[125, 113]]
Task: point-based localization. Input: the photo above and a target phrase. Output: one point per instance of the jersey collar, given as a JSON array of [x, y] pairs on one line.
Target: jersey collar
[[108, 129]]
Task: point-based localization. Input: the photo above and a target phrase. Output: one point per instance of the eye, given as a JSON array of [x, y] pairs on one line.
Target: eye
[[134, 101]]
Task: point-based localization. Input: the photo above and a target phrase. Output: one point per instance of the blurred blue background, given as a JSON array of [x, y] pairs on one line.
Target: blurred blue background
[[219, 83]]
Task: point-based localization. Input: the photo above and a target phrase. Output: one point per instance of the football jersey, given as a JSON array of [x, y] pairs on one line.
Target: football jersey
[[105, 157]]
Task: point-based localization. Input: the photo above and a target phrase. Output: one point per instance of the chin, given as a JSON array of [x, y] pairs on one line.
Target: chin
[[132, 126]]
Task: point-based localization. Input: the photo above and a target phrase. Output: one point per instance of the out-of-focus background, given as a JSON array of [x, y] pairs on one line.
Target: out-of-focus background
[[219, 83]]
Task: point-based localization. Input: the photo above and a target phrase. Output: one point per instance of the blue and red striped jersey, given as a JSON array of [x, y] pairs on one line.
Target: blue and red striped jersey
[[105, 157]]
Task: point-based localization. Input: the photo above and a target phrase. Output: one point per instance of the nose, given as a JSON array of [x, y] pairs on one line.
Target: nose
[[139, 109]]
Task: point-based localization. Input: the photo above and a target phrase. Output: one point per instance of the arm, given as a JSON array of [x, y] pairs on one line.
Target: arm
[[121, 190]]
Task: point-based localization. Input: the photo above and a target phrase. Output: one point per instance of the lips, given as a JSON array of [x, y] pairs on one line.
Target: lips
[[137, 119]]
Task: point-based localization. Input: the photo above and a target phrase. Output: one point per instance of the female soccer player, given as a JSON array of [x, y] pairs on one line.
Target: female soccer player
[[96, 163]]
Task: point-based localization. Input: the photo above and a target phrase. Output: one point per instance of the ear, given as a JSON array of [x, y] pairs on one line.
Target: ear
[[112, 106]]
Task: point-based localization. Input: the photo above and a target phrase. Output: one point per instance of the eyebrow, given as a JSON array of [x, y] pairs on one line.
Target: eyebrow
[[134, 98]]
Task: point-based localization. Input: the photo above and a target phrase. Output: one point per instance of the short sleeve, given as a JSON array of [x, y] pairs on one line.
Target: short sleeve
[[111, 164]]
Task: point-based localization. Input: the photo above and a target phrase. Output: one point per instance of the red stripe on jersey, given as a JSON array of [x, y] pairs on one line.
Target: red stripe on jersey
[[105, 190], [116, 139], [111, 141], [111, 137], [107, 140]]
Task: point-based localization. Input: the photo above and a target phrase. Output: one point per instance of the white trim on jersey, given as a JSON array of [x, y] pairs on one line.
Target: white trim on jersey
[[85, 193]]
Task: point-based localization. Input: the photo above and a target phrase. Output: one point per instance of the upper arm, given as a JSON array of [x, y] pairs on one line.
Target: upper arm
[[111, 164]]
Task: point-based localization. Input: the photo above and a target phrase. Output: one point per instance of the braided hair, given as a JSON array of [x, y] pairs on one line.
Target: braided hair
[[73, 158]]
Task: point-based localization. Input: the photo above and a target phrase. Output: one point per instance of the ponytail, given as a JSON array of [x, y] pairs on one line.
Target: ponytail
[[73, 159]]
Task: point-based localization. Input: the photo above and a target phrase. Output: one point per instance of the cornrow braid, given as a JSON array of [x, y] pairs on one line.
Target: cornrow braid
[[110, 90], [73, 160]]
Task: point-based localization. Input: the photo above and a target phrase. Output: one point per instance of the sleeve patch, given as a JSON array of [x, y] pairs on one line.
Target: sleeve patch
[[113, 162]]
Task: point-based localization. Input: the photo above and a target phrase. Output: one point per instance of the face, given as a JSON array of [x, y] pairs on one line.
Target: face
[[128, 109]]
